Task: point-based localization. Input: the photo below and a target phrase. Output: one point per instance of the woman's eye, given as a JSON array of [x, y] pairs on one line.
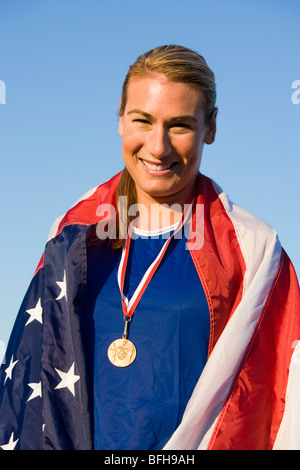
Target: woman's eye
[[141, 121], [182, 124]]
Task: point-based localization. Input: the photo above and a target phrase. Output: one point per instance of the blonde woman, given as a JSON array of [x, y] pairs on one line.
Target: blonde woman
[[161, 315]]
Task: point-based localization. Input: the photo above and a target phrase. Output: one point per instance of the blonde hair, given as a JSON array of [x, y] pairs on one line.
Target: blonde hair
[[178, 64]]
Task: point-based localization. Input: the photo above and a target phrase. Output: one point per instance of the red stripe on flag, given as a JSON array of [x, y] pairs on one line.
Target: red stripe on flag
[[252, 415], [220, 263], [85, 211]]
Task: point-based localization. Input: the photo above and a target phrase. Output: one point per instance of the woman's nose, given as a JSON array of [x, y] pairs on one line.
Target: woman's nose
[[159, 143]]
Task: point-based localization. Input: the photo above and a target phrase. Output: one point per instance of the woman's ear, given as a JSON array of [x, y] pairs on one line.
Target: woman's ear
[[121, 125], [121, 122], [211, 128]]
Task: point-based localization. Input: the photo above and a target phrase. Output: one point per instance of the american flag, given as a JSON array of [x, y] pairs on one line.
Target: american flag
[[247, 396], [40, 352], [44, 392], [21, 376]]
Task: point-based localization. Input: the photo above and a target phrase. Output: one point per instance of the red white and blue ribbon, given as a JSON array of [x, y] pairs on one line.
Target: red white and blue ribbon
[[129, 306]]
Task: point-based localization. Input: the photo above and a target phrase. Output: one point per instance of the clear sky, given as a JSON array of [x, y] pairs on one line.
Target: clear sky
[[62, 64]]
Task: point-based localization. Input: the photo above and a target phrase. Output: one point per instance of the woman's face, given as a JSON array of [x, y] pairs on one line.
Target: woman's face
[[163, 131]]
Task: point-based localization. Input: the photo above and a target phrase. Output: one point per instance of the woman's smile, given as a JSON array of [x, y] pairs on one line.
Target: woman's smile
[[158, 169], [163, 131]]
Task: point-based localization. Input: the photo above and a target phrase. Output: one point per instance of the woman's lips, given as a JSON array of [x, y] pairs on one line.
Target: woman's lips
[[154, 168]]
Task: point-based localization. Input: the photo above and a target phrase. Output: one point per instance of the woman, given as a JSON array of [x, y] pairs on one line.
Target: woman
[[159, 328]]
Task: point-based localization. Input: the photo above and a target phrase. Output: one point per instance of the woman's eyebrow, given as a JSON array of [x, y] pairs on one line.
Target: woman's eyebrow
[[139, 111], [186, 117]]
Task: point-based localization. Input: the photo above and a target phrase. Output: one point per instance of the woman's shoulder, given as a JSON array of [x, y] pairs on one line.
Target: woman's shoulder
[[86, 209]]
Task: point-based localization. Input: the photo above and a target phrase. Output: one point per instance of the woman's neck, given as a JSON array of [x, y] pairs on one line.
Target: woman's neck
[[158, 216], [158, 213]]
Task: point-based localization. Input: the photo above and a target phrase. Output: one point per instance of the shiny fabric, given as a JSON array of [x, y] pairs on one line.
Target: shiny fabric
[[247, 396]]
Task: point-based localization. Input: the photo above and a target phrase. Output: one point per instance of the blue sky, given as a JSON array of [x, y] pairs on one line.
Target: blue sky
[[63, 63]]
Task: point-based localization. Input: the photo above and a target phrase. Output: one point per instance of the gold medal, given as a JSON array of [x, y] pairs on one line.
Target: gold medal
[[121, 352]]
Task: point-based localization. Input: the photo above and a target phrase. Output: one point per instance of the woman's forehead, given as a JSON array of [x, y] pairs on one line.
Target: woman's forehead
[[155, 90]]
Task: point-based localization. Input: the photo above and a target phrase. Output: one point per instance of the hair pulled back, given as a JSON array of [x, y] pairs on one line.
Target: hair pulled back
[[178, 64]]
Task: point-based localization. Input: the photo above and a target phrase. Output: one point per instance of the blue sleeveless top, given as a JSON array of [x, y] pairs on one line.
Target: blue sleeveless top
[[140, 406]]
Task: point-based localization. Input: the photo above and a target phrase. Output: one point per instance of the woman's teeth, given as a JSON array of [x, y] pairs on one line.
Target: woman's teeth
[[151, 166]]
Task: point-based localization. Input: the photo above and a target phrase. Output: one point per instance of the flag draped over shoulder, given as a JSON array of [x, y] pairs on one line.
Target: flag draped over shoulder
[[44, 389], [247, 396]]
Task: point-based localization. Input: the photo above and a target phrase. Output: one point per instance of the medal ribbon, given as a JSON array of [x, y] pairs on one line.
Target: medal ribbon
[[130, 306]]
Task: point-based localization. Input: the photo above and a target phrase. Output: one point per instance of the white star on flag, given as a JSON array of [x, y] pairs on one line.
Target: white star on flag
[[63, 287], [35, 313], [68, 379], [9, 370], [37, 390], [11, 443]]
